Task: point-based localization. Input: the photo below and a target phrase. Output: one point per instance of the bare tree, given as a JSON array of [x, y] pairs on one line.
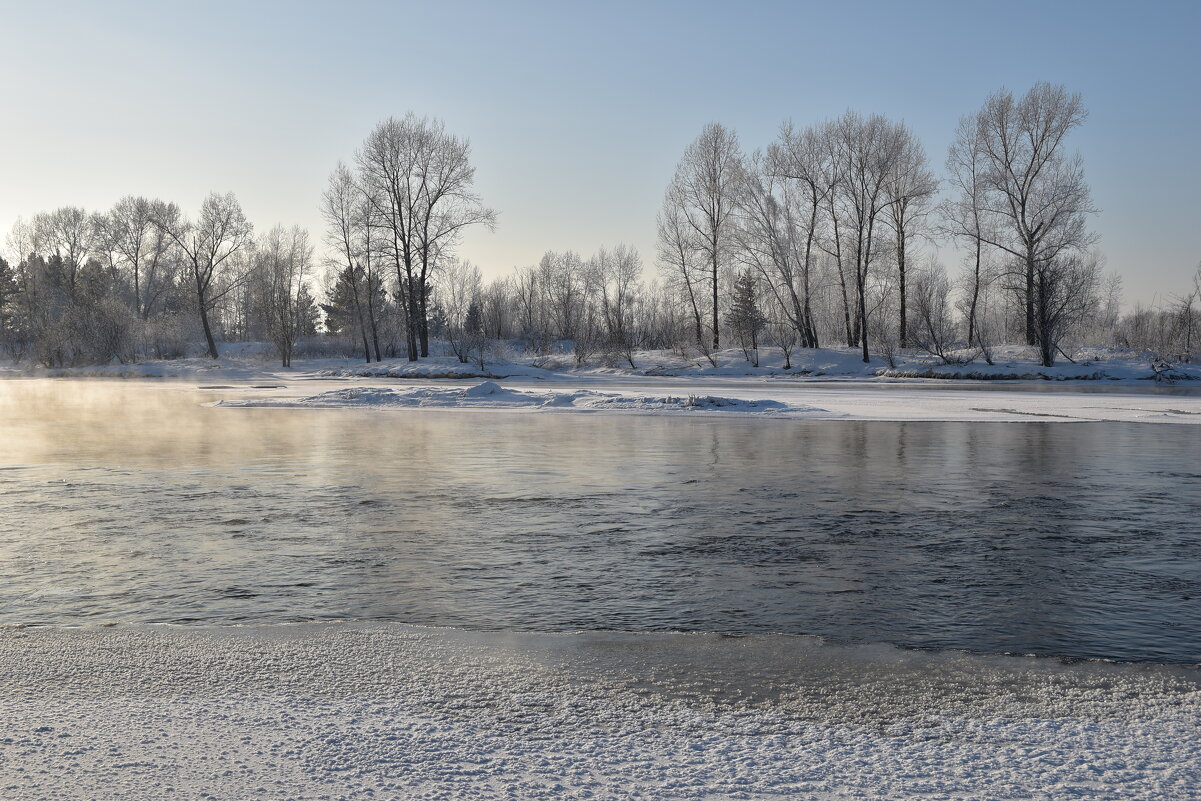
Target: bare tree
[[703, 194], [1067, 298], [282, 262], [70, 232], [802, 161], [779, 205], [678, 255], [340, 208], [447, 206], [910, 188], [418, 179], [459, 286], [618, 271], [932, 311], [1034, 191], [962, 215], [211, 245], [141, 248], [868, 149]]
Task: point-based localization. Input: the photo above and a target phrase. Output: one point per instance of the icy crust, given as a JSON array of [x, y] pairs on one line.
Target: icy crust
[[251, 361], [490, 395], [787, 401], [341, 711]]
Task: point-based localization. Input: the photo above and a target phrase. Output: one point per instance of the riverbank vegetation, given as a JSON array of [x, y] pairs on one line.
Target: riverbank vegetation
[[838, 234]]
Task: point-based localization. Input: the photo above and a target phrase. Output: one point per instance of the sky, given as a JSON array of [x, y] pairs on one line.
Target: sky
[[578, 112]]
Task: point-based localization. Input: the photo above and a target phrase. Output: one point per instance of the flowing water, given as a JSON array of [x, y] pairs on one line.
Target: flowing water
[[133, 502]]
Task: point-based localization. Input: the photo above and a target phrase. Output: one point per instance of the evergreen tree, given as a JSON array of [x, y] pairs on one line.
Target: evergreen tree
[[8, 304], [745, 317]]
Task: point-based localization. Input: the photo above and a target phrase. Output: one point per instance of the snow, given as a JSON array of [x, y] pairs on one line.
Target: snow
[[246, 361], [750, 397], [356, 710], [490, 395]]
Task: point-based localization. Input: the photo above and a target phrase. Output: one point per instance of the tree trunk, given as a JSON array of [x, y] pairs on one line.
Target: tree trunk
[[863, 318], [423, 323], [1031, 328], [208, 332], [716, 335], [371, 319], [901, 268], [411, 322], [971, 314], [846, 305]]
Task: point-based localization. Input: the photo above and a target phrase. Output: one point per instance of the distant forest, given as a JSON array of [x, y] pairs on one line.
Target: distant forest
[[819, 239]]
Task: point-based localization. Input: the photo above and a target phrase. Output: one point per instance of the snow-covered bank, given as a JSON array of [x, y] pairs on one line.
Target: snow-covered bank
[[490, 395], [254, 361], [387, 711], [753, 398]]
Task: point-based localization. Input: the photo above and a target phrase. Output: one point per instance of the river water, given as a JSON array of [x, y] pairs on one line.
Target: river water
[[133, 502]]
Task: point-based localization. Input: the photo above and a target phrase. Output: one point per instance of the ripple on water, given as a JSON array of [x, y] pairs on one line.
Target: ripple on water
[[933, 535]]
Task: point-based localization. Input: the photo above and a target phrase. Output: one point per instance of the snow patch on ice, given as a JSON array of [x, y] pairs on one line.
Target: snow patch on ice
[[490, 395]]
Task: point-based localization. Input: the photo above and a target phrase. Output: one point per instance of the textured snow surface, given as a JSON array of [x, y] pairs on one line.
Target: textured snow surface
[[382, 711], [757, 397], [490, 395]]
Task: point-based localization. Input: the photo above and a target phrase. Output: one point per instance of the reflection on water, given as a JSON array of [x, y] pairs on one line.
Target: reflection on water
[[132, 502]]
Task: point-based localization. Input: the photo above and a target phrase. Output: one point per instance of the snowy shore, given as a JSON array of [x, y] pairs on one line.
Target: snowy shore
[[1011, 364], [743, 398], [826, 384], [340, 711]]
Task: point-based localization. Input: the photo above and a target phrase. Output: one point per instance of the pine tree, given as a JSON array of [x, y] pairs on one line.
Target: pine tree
[[8, 302], [744, 316]]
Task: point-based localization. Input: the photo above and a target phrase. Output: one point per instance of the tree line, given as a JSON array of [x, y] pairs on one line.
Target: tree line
[[823, 237]]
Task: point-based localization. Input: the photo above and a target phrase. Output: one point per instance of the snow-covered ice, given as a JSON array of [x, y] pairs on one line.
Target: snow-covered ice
[[341, 711], [490, 395], [751, 397]]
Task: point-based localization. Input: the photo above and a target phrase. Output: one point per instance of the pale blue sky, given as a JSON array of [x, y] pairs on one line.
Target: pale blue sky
[[577, 112]]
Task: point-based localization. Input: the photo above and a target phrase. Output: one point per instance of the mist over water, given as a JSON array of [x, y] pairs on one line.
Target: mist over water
[[135, 503]]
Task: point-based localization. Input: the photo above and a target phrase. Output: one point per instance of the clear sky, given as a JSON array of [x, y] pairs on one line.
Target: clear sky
[[577, 112]]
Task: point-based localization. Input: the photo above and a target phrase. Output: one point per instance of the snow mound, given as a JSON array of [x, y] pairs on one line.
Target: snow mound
[[491, 395], [483, 390]]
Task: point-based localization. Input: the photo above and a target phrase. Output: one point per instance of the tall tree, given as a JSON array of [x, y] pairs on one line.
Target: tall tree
[[70, 232], [211, 246], [678, 256], [910, 188], [867, 150], [448, 206], [703, 194], [139, 247], [1033, 189], [339, 207], [962, 214], [282, 262], [418, 179]]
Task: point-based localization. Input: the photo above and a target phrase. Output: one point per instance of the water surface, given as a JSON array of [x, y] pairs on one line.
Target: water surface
[[133, 502]]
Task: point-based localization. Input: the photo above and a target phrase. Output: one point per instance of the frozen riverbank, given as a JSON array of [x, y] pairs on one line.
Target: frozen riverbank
[[743, 397], [1010, 364], [388, 711]]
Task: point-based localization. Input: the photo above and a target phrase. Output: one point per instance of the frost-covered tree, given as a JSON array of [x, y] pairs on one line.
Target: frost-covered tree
[[282, 262], [458, 291], [1034, 193], [699, 207], [418, 179], [213, 245]]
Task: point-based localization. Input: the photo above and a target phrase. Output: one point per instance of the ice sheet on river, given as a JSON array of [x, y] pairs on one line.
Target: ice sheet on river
[[376, 710], [754, 398], [490, 395]]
